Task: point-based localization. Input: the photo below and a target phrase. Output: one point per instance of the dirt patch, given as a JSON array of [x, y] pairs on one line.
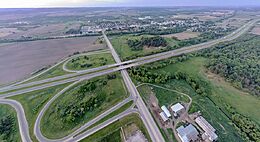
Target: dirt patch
[[19, 60], [183, 35], [8, 31], [256, 30], [138, 136]]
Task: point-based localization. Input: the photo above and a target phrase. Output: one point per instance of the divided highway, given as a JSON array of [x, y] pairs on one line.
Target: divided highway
[[141, 60], [78, 76]]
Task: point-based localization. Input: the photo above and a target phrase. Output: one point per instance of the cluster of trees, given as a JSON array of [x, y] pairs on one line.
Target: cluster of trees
[[6, 127], [238, 62], [73, 31], [248, 129], [147, 41], [75, 111], [144, 74]]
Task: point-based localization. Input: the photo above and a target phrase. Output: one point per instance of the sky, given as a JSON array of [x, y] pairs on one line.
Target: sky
[[118, 3]]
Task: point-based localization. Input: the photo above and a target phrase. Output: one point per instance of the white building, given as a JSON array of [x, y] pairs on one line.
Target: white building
[[177, 109], [166, 111], [163, 116], [209, 130], [187, 134]]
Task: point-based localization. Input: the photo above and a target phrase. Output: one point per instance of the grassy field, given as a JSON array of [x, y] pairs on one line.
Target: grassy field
[[112, 132], [222, 93], [6, 110], [125, 52], [33, 102], [165, 97], [54, 125], [90, 61]]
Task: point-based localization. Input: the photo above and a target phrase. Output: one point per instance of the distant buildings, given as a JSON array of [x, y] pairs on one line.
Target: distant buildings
[[209, 130], [177, 109], [188, 133], [166, 111]]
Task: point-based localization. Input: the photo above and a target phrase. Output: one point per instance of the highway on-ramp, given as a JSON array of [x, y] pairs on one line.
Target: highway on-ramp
[[119, 66]]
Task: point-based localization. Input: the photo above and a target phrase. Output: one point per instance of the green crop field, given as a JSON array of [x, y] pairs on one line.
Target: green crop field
[[113, 130], [90, 61], [33, 102], [74, 108], [9, 124]]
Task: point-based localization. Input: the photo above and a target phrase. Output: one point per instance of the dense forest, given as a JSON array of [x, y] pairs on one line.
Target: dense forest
[[238, 61], [156, 41]]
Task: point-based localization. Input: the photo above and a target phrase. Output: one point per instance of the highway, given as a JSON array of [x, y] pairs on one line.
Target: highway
[[82, 75], [150, 124], [142, 60]]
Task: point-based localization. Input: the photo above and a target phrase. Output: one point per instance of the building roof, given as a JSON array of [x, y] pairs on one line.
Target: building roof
[[166, 111], [209, 130], [204, 124], [177, 107], [188, 133], [163, 116]]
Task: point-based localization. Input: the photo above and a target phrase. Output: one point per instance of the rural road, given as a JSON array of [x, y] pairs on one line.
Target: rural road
[[120, 66]]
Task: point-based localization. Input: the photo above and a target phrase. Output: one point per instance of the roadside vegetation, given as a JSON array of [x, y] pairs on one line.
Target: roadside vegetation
[[9, 129], [82, 103], [111, 133], [112, 114], [33, 102], [56, 71], [218, 100], [90, 61]]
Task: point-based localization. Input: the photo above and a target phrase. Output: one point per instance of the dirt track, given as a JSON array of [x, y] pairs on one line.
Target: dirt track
[[19, 60]]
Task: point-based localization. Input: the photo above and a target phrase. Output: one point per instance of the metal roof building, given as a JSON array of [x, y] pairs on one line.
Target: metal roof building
[[209, 130], [177, 108], [166, 111], [163, 116], [188, 133]]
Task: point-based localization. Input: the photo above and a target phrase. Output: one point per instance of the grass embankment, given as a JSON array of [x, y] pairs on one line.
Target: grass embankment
[[9, 124], [90, 61], [125, 52], [114, 113], [33, 102], [222, 93], [82, 103], [55, 71], [111, 133]]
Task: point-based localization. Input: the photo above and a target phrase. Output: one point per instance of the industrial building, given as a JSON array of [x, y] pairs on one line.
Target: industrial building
[[163, 116], [207, 128], [177, 109], [166, 111], [188, 133]]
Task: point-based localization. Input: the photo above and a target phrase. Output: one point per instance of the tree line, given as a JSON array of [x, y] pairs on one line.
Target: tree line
[[156, 41], [238, 62]]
